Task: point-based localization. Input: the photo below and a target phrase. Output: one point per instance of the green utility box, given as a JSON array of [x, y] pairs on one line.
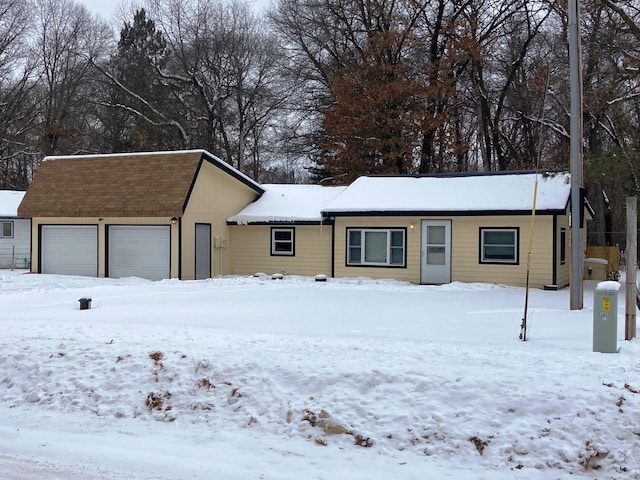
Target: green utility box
[[605, 317]]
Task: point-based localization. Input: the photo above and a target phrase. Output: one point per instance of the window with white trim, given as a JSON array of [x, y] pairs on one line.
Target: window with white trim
[[7, 230], [282, 241], [499, 245], [376, 247]]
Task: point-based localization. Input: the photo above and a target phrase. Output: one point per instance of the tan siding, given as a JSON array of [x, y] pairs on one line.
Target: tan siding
[[409, 274], [215, 197], [102, 222], [466, 266], [465, 246], [251, 250]]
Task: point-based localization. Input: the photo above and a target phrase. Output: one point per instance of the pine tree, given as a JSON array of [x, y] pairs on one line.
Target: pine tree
[[142, 51]]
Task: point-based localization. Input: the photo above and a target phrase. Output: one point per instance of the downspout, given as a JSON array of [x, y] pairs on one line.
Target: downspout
[[554, 250], [39, 243], [180, 248], [333, 248]]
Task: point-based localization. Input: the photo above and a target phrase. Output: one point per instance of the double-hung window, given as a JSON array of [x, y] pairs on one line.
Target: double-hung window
[[376, 247], [7, 230], [282, 241], [499, 245]]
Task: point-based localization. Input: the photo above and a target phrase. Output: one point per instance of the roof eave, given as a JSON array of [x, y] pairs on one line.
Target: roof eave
[[326, 221], [436, 213]]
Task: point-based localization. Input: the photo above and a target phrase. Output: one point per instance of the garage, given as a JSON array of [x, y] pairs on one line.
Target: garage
[[139, 251], [69, 250]]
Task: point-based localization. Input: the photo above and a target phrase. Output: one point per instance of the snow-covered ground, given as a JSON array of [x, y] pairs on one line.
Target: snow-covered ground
[[244, 378]]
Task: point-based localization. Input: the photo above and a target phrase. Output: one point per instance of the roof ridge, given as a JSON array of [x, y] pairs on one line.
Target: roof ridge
[[127, 154], [466, 174]]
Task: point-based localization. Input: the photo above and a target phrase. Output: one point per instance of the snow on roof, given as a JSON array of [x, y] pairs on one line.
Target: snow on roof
[[9, 201], [479, 193], [288, 203]]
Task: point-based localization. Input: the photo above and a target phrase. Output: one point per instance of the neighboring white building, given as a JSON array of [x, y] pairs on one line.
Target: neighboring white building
[[15, 232]]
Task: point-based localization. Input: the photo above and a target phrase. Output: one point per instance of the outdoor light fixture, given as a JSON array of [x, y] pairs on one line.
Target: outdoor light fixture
[[174, 220]]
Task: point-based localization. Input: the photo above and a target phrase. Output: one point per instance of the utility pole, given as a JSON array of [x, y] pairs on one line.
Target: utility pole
[[632, 260], [575, 80]]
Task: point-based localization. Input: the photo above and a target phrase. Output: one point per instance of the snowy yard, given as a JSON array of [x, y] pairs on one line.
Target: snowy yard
[[245, 378]]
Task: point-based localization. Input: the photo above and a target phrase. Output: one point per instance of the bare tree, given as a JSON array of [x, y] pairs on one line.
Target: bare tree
[[210, 74], [501, 36], [68, 42], [17, 80], [611, 113], [354, 58]]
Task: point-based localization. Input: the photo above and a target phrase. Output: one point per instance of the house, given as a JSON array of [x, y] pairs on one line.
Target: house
[[15, 242], [425, 229], [437, 229], [151, 215], [284, 231], [189, 215]]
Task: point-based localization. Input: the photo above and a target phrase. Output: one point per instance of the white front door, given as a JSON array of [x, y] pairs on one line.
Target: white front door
[[435, 257]]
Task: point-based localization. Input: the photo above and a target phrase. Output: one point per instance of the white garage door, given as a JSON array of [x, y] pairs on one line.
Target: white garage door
[[69, 250], [139, 251]]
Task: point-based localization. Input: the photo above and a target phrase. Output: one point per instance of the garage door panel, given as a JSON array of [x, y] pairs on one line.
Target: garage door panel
[[139, 251], [69, 250]]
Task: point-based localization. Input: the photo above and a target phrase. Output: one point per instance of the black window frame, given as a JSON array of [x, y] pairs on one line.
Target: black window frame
[[274, 242], [563, 246], [497, 261]]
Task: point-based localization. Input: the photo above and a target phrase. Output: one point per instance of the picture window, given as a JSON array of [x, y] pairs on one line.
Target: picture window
[[376, 247]]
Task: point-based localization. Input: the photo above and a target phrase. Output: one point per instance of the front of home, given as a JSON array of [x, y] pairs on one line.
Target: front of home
[[444, 228], [423, 229], [189, 215]]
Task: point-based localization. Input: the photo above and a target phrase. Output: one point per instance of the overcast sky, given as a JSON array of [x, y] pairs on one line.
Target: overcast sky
[[106, 8]]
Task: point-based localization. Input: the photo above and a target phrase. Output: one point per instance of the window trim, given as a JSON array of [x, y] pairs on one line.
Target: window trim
[[516, 246], [388, 264], [280, 253], [2, 224]]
